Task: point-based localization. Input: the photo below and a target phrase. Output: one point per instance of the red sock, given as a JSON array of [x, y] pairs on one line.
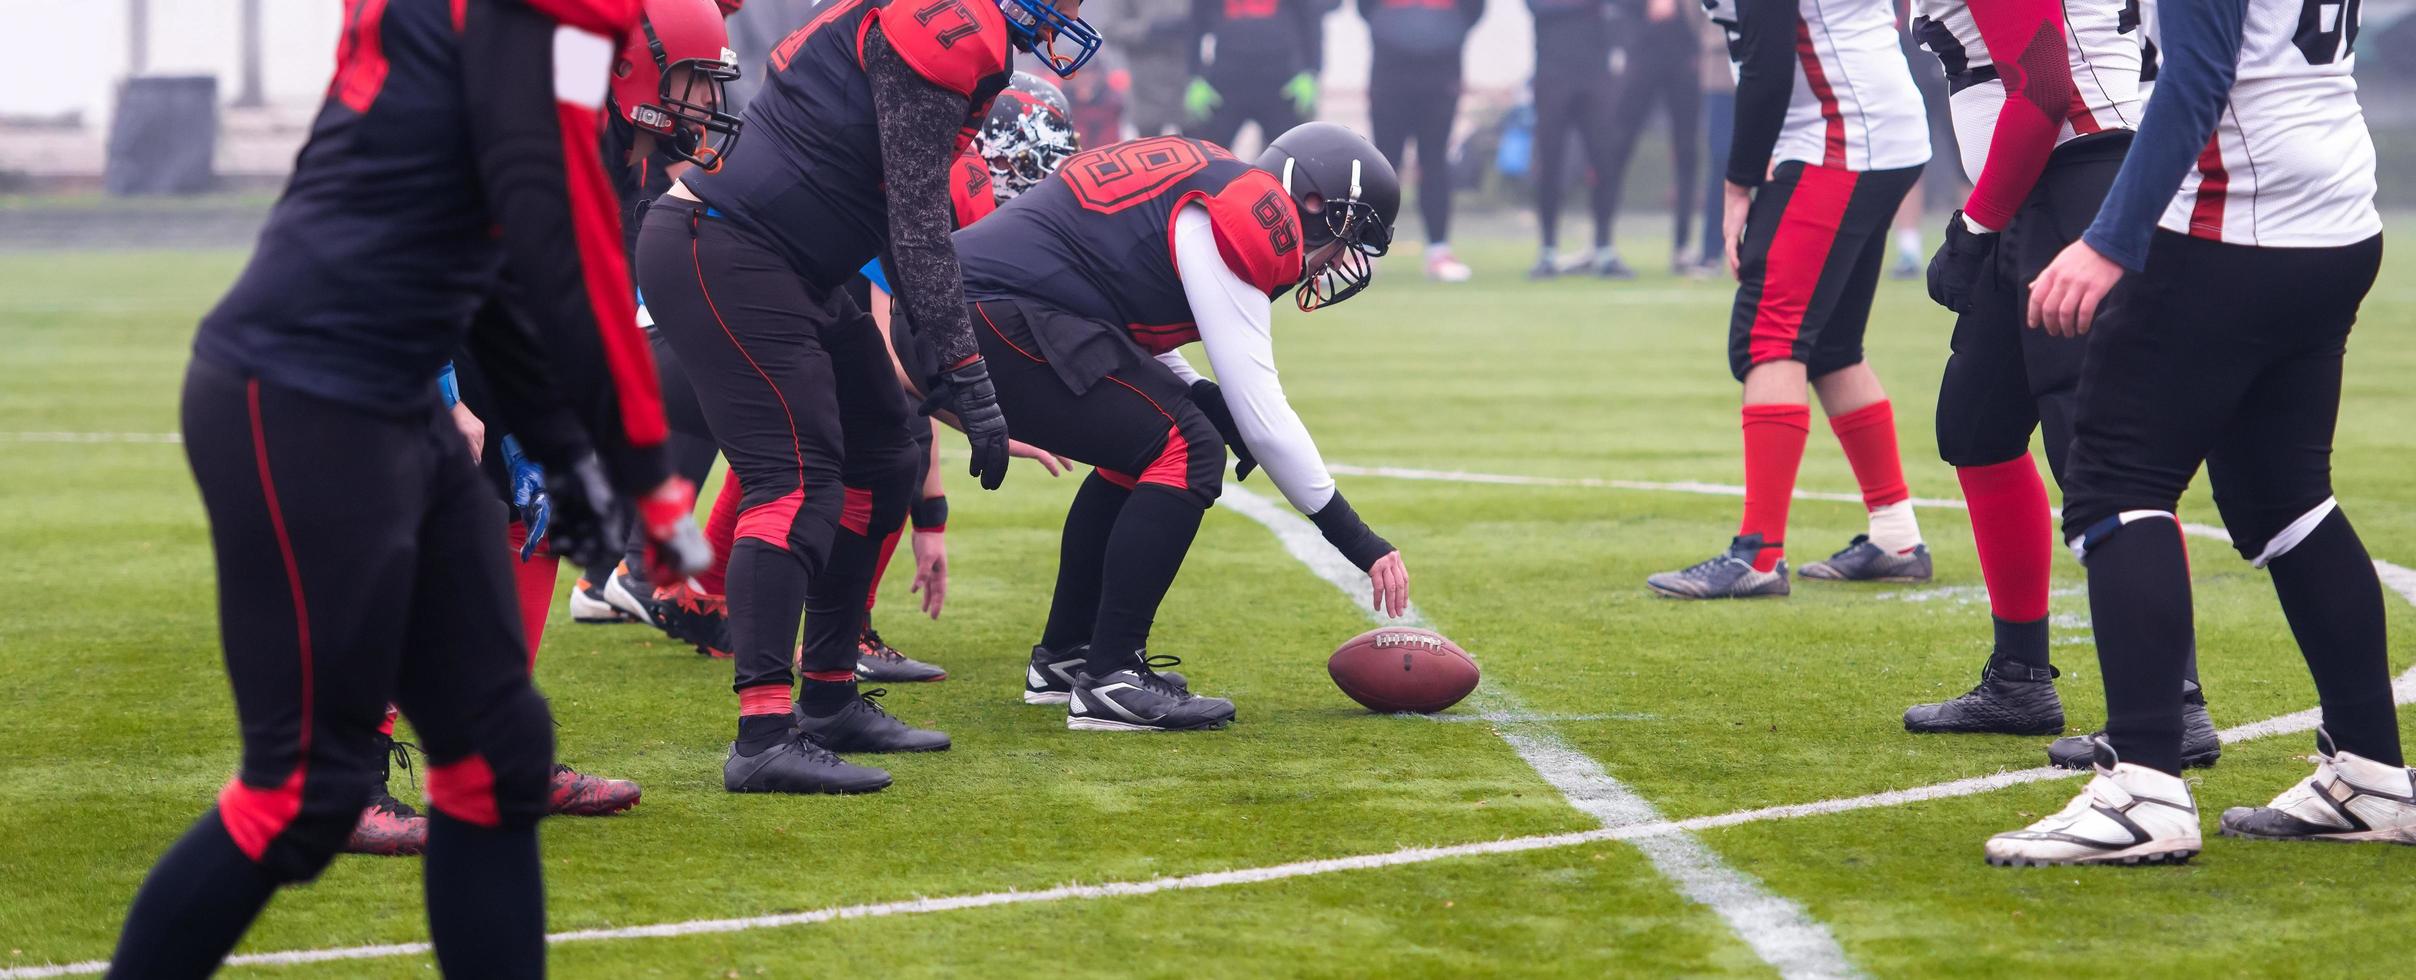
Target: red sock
[[880, 567], [1868, 435], [386, 727], [765, 699], [534, 579], [2012, 530], [1774, 449], [721, 530]]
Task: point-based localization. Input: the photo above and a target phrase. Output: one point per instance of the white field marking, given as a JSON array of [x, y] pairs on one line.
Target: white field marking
[[1777, 930], [85, 437], [2394, 577], [1682, 486], [1493, 719]]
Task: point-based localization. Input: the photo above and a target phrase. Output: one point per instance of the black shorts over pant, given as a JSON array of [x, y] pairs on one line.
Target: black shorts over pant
[[361, 562], [1809, 262], [2004, 379], [2230, 355], [797, 388], [1136, 422]]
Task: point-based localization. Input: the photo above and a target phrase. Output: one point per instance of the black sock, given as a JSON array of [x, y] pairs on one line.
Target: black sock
[[1146, 549], [823, 699], [2139, 604], [2022, 643], [486, 899], [759, 732], [2334, 602], [192, 909], [1081, 557]]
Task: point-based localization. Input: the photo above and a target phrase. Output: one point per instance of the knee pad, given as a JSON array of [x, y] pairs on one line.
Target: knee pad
[[1192, 461], [507, 778], [292, 830], [2261, 545], [2097, 532]]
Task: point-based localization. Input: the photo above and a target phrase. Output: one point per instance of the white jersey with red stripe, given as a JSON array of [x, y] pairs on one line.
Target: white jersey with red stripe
[[1854, 105], [2101, 46], [2291, 164]]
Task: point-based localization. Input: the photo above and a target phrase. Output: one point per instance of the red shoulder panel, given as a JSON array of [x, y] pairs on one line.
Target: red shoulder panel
[[1258, 231], [969, 189], [954, 43]]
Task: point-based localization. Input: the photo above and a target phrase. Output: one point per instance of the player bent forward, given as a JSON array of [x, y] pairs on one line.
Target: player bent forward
[[1087, 366]]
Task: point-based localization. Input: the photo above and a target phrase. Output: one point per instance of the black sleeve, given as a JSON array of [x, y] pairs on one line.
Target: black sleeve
[[543, 182], [1204, 17], [1312, 32], [1765, 83], [514, 395], [918, 124]]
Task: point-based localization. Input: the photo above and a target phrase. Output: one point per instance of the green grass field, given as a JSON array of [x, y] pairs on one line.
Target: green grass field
[[116, 726]]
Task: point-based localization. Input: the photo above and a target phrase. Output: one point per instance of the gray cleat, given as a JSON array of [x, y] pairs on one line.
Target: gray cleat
[[1862, 561], [1728, 575]]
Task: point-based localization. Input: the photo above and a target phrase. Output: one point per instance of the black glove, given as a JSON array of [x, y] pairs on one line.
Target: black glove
[[1955, 271], [1211, 400], [966, 390], [587, 522]]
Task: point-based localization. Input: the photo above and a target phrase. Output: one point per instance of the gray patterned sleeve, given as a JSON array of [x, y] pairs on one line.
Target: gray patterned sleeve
[[918, 125]]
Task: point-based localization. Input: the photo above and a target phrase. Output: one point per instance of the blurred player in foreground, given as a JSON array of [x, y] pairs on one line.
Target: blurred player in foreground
[[1082, 292], [2241, 283], [456, 146]]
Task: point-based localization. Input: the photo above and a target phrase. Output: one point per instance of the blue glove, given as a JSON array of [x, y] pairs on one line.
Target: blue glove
[[447, 386], [528, 496]]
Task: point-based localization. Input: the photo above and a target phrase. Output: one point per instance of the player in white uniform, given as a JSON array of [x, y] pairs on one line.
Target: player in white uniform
[[2043, 131], [1823, 91], [2241, 300]]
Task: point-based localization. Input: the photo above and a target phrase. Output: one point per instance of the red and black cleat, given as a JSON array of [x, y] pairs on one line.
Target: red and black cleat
[[389, 828], [880, 663], [580, 795], [700, 619]]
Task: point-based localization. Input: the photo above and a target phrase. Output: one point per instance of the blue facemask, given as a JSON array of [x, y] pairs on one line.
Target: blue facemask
[[1027, 19]]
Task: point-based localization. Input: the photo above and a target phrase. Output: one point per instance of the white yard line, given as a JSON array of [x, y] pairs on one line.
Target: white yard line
[[88, 437], [2398, 579], [1778, 930]]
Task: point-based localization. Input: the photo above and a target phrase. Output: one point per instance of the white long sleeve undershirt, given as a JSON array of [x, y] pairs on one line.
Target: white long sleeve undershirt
[[1237, 327]]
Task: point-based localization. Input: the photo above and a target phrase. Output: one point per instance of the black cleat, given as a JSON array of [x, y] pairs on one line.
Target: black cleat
[[694, 617], [1727, 575], [1141, 701], [862, 726], [2199, 746], [798, 766], [880, 663], [1862, 561], [1050, 677], [2011, 699]]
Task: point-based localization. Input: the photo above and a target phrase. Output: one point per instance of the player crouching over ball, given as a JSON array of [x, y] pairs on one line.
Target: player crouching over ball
[[1082, 290]]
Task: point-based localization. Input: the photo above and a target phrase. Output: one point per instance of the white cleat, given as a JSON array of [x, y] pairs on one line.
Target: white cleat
[[1442, 266], [2128, 814], [2350, 798]]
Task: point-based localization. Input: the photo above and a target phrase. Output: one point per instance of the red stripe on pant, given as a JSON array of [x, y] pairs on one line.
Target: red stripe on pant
[[464, 789], [253, 815], [770, 522], [1799, 250], [880, 567]]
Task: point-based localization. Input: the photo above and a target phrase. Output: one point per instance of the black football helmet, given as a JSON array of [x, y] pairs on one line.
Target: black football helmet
[[1346, 192]]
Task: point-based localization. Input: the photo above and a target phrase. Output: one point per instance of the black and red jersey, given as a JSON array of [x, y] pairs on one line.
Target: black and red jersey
[[810, 178], [1097, 239], [969, 188], [414, 202]]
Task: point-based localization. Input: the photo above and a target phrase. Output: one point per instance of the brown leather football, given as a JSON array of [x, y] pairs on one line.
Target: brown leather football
[[1399, 668]]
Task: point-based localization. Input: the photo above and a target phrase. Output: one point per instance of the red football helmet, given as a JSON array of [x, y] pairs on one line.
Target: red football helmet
[[670, 76]]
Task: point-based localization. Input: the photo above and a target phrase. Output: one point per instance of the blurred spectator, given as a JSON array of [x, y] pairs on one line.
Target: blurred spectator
[[1268, 55], [1941, 183], [1159, 44], [1413, 92], [1717, 80], [1572, 94], [1659, 44], [1099, 95], [754, 29]]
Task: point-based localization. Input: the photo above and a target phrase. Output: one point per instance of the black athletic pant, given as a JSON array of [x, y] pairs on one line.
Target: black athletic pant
[[799, 392], [359, 564], [1161, 465], [1413, 100], [1579, 103], [2228, 355], [1659, 70], [1248, 96]]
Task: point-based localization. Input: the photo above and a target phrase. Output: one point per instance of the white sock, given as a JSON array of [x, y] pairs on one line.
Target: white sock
[[1893, 528], [1908, 242], [1435, 249]]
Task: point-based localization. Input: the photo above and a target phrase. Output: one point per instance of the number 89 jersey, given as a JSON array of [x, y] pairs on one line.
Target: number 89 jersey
[[1097, 239], [2291, 164]]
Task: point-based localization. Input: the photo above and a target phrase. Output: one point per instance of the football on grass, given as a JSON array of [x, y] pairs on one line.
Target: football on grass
[[1397, 668]]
